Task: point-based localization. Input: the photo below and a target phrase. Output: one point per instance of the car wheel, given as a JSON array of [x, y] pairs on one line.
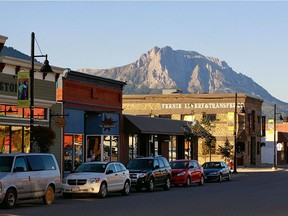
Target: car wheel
[[67, 195], [229, 177], [150, 186], [103, 190], [188, 181], [49, 196], [201, 180], [126, 188], [168, 183], [10, 199], [220, 178]]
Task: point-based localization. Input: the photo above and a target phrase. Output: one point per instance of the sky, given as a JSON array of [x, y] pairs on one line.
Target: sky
[[251, 36]]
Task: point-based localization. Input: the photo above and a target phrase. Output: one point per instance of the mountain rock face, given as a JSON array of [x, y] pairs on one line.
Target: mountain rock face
[[189, 71]]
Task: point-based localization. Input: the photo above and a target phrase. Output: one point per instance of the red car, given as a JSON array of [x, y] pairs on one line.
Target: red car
[[186, 172]]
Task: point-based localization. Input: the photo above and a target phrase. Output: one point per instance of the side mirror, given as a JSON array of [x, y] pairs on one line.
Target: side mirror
[[191, 166], [157, 167], [109, 171], [19, 169]]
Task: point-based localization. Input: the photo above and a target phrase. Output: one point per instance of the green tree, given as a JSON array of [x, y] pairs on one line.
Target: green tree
[[226, 150], [44, 138]]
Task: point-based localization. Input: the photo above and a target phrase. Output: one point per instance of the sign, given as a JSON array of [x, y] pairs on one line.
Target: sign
[[230, 121], [270, 126], [200, 105], [60, 122], [23, 89]]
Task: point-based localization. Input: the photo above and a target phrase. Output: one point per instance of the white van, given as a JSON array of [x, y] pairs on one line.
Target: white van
[[28, 176]]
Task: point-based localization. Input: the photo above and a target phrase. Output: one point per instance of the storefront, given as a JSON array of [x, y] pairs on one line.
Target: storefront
[[93, 114], [220, 109], [15, 119]]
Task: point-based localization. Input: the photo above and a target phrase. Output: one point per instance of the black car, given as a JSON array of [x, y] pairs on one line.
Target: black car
[[216, 170], [150, 172]]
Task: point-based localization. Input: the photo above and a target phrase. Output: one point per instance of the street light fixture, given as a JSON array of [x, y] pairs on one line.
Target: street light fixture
[[275, 144], [45, 69], [235, 137]]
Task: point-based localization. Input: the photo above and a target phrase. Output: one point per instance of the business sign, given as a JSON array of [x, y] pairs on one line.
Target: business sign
[[23, 89], [200, 105]]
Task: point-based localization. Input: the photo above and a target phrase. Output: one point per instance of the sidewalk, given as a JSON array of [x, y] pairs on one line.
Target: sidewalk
[[262, 168]]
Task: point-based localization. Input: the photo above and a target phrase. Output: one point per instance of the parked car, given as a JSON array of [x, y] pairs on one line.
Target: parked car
[[28, 176], [150, 172], [185, 172], [97, 178], [217, 170]]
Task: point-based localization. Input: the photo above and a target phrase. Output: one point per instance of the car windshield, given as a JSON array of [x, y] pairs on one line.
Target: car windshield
[[140, 164], [6, 163], [179, 164], [212, 165], [91, 167]]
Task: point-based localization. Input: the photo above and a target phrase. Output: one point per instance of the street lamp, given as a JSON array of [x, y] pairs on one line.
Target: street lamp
[[275, 144], [235, 137], [45, 69]]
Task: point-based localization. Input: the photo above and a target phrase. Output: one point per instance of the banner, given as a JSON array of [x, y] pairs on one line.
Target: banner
[[270, 129], [230, 121], [23, 91]]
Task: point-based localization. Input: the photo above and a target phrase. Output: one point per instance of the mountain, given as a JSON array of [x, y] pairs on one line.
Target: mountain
[[165, 68]]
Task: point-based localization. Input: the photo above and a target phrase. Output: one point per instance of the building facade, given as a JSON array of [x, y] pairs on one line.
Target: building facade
[[15, 116], [92, 108], [224, 112]]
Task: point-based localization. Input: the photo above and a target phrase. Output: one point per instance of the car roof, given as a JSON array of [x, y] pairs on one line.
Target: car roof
[[23, 154]]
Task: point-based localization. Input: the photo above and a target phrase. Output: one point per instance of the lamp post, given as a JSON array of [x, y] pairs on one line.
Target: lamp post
[[275, 144], [45, 69]]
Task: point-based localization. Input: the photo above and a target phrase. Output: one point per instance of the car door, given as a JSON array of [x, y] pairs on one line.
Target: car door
[[112, 177], [22, 178], [158, 175], [225, 169], [193, 171], [121, 176]]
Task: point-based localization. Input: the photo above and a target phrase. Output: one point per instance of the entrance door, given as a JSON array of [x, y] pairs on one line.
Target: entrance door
[[253, 150], [93, 148], [240, 146]]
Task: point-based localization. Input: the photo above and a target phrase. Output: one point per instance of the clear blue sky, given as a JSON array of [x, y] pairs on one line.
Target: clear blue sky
[[252, 37]]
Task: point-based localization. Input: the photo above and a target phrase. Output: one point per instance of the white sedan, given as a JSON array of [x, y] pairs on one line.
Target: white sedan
[[97, 178]]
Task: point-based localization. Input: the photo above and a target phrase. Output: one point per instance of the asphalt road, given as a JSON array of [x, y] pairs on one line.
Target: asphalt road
[[261, 193]]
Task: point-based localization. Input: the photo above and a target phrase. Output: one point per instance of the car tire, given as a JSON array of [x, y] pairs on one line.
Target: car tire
[[220, 178], [49, 196], [201, 182], [126, 188], [167, 185], [188, 182], [10, 199], [150, 185], [229, 177], [103, 190], [67, 195]]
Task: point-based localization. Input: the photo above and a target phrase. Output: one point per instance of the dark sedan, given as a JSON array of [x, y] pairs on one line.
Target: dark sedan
[[216, 170]]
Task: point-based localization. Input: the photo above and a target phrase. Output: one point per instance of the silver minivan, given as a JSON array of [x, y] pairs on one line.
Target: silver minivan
[[28, 176]]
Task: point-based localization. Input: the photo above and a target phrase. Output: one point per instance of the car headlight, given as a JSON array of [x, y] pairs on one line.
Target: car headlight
[[94, 180], [142, 175], [181, 173]]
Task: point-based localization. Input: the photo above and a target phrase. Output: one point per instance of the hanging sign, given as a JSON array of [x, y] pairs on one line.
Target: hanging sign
[[23, 91]]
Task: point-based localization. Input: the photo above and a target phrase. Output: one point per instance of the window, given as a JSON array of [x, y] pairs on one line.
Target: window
[[156, 163], [161, 163], [111, 167], [210, 117], [118, 168], [49, 162], [20, 162], [35, 162]]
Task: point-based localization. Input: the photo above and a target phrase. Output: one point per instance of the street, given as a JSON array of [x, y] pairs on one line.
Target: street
[[257, 193]]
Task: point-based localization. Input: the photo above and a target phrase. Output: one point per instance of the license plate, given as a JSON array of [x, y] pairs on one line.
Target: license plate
[[75, 189]]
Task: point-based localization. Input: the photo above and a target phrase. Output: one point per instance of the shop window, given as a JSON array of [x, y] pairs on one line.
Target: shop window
[[165, 116], [172, 149], [133, 146], [210, 117], [4, 139], [16, 144], [110, 151], [190, 118]]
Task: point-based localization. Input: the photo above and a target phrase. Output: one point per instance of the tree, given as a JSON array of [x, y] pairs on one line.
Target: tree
[[226, 150], [44, 138]]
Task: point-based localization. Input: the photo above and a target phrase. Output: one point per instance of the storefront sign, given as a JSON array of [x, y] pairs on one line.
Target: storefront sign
[[8, 87], [200, 105], [60, 122]]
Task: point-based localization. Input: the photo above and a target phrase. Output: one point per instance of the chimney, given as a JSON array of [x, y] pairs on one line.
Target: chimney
[[2, 41]]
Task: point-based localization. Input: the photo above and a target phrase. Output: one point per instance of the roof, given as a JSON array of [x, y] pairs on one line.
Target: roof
[[282, 137], [152, 125]]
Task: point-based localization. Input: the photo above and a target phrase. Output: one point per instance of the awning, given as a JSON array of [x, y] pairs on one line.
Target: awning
[[152, 125]]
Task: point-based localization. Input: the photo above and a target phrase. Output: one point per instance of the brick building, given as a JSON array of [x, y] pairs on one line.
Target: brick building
[[220, 109]]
